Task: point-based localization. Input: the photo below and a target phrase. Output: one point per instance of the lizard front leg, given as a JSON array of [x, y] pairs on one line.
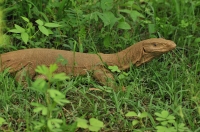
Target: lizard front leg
[[105, 77], [26, 71]]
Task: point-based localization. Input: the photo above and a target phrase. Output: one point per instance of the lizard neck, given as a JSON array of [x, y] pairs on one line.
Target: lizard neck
[[124, 58]]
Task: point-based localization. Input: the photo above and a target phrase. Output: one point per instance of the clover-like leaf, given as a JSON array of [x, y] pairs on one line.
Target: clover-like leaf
[[42, 70], [58, 97], [114, 68], [39, 107], [95, 122], [82, 123], [60, 77], [143, 115], [135, 122], [54, 124], [39, 85]]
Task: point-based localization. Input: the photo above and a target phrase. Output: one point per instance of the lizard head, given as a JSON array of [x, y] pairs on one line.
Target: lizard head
[[154, 47]]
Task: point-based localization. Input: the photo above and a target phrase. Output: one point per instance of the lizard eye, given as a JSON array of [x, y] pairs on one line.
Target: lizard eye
[[154, 44]]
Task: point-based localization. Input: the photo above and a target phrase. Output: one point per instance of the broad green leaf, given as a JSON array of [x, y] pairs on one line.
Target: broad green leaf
[[135, 14], [82, 123], [164, 123], [114, 68], [161, 129], [38, 125], [172, 129], [25, 37], [197, 40], [58, 97], [165, 114], [61, 102], [143, 115], [54, 93], [39, 85], [170, 121], [165, 129], [95, 122], [170, 117], [2, 121], [39, 22], [93, 15], [123, 75], [158, 114], [184, 24], [44, 30], [151, 28], [131, 113], [42, 70], [51, 25], [39, 107], [19, 28], [131, 4], [108, 18], [53, 68], [50, 31], [125, 11], [160, 119], [135, 122], [181, 127], [106, 41], [124, 25], [106, 5], [54, 124], [14, 31], [94, 128], [60, 77], [25, 19]]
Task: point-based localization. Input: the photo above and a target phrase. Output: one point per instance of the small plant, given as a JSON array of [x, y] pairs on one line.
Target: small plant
[[29, 32], [122, 75], [168, 123], [95, 125], [138, 117], [48, 120]]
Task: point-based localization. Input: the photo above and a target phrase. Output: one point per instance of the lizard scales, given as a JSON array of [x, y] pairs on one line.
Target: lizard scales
[[79, 63]]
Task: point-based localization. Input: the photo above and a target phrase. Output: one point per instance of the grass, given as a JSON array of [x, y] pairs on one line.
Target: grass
[[169, 83]]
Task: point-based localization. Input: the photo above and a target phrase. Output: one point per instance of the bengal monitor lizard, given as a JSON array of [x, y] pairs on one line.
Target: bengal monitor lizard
[[81, 63]]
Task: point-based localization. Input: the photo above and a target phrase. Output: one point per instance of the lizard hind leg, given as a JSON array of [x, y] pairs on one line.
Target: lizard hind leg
[[105, 77], [23, 74]]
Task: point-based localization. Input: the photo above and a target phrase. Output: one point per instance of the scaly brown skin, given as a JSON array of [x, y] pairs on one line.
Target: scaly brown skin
[[81, 63]]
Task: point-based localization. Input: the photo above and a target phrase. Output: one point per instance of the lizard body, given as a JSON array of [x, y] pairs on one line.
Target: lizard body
[[80, 63]]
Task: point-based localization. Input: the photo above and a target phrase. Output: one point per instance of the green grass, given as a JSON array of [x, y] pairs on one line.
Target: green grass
[[169, 83]]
